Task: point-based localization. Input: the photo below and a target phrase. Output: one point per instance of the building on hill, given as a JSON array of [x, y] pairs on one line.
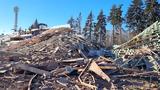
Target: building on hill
[[36, 28]]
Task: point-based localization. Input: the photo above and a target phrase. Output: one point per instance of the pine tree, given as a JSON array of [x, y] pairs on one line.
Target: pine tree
[[79, 19], [89, 26], [119, 21], [113, 19], [20, 31], [152, 11], [135, 17], [101, 27], [116, 20], [96, 32], [71, 22]]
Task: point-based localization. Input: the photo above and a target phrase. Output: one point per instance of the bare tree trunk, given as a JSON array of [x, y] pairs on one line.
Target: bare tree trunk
[[90, 34], [113, 36], [129, 36], [120, 38], [100, 36]]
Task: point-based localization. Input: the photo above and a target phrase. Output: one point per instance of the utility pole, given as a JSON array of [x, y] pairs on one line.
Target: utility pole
[[16, 10]]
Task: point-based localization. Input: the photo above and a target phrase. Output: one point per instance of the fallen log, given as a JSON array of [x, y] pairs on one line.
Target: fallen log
[[72, 60], [150, 73], [32, 69]]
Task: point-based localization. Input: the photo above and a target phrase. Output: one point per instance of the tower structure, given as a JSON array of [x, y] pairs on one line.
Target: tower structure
[[16, 10]]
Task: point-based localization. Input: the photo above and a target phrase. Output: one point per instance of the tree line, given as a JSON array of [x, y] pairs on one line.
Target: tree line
[[139, 16]]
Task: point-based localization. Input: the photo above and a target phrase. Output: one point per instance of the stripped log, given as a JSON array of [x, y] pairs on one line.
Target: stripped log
[[32, 69]]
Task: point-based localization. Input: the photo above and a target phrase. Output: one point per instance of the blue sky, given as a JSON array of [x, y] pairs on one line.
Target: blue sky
[[53, 12]]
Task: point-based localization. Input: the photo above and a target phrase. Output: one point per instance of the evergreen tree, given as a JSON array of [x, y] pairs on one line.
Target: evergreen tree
[[152, 11], [112, 19], [89, 26], [101, 28], [71, 22], [20, 31], [79, 19], [119, 21], [116, 20], [96, 32], [135, 17]]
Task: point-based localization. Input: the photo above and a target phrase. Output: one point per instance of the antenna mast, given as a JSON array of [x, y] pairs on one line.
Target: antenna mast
[[16, 10]]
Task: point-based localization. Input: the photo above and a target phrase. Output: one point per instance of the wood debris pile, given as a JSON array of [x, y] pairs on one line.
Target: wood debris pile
[[56, 60]]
